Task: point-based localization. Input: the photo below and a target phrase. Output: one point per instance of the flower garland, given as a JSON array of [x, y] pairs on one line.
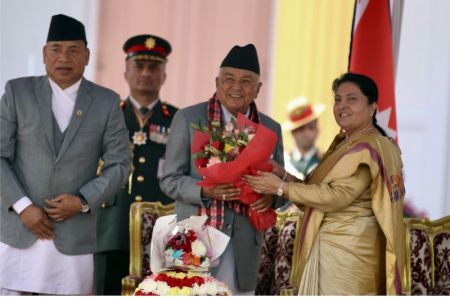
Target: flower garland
[[181, 283]]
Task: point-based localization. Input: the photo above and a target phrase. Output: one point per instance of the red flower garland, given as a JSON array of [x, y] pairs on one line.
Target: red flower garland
[[174, 282]]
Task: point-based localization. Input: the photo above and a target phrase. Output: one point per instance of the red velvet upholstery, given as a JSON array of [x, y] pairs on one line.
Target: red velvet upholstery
[[428, 250], [148, 222], [143, 216], [266, 275], [283, 256], [276, 259], [442, 264], [420, 263]]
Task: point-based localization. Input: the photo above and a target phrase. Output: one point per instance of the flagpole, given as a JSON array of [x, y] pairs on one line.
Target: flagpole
[[396, 25]]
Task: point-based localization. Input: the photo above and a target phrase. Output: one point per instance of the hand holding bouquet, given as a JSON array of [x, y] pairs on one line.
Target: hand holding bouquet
[[225, 156]]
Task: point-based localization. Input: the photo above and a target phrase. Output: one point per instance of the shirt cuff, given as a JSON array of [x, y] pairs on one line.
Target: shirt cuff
[[22, 204]]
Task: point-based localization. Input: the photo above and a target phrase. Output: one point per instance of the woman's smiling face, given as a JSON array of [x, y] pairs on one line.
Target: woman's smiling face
[[352, 110]]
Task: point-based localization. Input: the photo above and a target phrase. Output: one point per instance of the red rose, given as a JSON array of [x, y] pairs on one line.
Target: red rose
[[201, 162], [217, 145], [191, 235]]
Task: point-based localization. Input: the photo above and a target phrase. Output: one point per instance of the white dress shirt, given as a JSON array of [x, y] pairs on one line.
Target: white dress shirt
[[227, 116], [138, 106]]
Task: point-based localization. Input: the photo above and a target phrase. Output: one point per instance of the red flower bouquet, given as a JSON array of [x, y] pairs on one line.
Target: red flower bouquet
[[184, 250], [225, 156], [180, 256]]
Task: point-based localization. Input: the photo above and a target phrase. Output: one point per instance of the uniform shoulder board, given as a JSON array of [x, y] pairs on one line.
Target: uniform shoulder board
[[168, 110]]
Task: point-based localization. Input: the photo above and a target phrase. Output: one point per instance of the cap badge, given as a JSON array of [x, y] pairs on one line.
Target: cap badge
[[150, 42]]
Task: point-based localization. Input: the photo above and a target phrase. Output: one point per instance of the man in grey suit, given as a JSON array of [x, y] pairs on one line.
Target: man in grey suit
[[237, 84], [53, 131]]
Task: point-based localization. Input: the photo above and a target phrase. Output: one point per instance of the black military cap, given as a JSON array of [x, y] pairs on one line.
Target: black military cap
[[64, 28], [244, 58], [147, 47]]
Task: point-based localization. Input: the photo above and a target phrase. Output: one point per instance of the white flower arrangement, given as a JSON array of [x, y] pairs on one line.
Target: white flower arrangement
[[198, 248]]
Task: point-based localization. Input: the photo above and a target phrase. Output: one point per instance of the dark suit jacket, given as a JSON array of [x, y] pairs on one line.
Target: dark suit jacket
[[180, 182], [113, 216], [30, 167]]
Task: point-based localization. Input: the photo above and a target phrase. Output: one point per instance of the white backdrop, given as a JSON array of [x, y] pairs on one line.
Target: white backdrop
[[423, 104]]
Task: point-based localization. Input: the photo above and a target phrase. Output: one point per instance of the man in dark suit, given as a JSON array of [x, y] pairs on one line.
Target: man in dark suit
[[238, 84], [148, 120], [53, 131]]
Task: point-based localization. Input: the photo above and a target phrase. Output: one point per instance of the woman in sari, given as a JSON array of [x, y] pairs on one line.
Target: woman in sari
[[351, 238]]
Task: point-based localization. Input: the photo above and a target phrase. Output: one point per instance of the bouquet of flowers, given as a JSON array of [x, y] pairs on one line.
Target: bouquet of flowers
[[180, 256], [225, 156], [185, 250], [186, 245]]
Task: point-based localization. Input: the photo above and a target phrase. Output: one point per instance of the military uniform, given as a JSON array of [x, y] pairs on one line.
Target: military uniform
[[148, 158], [300, 114], [143, 185], [148, 135], [302, 166]]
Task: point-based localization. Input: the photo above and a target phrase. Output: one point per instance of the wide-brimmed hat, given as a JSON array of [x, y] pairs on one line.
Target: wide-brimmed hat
[[301, 112]]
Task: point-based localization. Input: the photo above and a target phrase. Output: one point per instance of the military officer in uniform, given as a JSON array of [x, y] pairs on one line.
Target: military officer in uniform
[[303, 124], [148, 120]]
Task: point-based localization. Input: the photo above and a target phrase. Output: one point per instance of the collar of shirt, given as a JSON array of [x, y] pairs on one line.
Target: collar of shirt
[[227, 116], [138, 106], [63, 103], [70, 91], [306, 157]]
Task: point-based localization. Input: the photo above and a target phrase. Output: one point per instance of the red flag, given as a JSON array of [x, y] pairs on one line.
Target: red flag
[[371, 54]]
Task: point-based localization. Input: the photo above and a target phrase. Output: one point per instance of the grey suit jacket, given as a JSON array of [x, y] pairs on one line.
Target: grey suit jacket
[[30, 167], [180, 179]]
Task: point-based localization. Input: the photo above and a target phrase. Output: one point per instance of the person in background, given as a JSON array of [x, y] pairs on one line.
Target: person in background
[[351, 239], [237, 86], [148, 120], [53, 131], [303, 124]]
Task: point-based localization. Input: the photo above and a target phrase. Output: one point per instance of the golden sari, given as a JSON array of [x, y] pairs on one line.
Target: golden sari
[[351, 238]]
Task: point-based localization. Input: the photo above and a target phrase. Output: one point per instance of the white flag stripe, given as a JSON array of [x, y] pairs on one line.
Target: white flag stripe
[[360, 9]]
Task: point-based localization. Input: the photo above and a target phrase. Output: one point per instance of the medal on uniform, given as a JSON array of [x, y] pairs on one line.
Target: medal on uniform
[[139, 138], [158, 134]]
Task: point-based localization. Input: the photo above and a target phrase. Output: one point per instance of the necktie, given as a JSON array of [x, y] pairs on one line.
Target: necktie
[[302, 165], [143, 110]]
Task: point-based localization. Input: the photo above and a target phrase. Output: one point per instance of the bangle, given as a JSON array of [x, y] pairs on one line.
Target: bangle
[[285, 175]]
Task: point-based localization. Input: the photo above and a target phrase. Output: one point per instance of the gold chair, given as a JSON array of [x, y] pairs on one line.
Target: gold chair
[[142, 219], [428, 256]]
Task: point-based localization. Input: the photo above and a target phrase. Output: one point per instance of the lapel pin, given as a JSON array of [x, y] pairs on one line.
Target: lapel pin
[[79, 113]]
